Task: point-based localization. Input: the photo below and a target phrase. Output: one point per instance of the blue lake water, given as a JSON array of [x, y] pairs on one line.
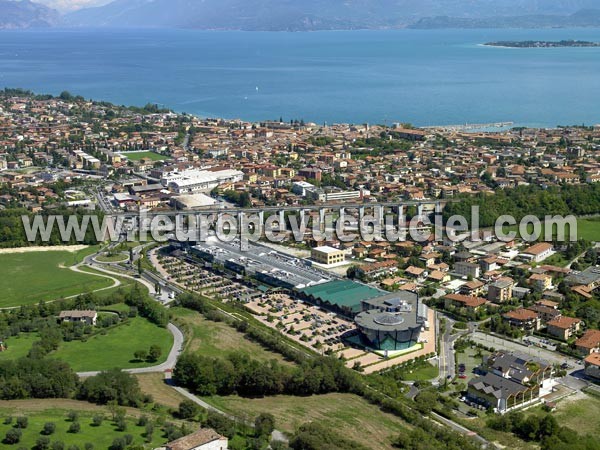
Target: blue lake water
[[423, 77]]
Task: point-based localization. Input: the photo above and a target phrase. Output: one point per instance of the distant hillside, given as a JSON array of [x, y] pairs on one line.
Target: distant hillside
[[583, 18], [26, 14], [300, 15]]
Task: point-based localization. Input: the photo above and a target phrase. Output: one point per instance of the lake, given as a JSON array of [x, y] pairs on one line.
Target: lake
[[425, 77]]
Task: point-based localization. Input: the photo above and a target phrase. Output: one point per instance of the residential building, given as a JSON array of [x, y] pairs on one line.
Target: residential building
[[564, 327], [545, 313], [500, 291], [540, 281], [463, 301], [592, 366], [523, 319], [203, 439], [588, 343], [467, 269], [87, 317]]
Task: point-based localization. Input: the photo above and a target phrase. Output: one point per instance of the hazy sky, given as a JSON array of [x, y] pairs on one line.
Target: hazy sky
[[70, 5]]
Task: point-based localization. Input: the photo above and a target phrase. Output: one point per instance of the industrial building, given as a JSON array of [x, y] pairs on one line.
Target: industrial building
[[262, 263], [327, 255], [199, 181]]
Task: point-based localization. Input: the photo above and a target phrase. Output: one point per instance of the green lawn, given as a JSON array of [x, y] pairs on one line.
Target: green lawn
[[423, 372], [217, 339], [117, 258], [347, 414], [588, 229], [101, 437], [18, 346], [31, 277], [116, 348], [136, 156]]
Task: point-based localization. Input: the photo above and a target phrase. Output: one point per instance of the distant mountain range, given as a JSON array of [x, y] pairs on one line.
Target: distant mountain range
[[305, 15], [582, 18], [26, 14]]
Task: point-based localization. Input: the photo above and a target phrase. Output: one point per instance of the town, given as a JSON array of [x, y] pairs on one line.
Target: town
[[488, 338]]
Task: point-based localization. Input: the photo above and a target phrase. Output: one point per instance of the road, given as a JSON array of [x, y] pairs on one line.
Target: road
[[463, 430]]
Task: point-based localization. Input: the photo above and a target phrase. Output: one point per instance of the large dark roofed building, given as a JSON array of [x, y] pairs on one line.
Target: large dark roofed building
[[392, 321]]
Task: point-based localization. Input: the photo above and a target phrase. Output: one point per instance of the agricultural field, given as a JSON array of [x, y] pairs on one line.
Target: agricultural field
[[217, 339], [40, 412], [137, 156], [347, 414], [32, 277], [116, 347]]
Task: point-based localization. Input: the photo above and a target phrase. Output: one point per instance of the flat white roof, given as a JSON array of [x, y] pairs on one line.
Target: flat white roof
[[326, 249]]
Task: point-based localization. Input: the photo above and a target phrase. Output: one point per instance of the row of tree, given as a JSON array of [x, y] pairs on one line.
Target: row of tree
[[533, 200], [239, 374]]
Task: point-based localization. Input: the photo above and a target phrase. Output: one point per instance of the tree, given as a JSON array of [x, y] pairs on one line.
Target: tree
[[140, 355], [121, 424], [49, 428], [43, 443], [72, 416], [111, 386], [22, 422], [148, 432], [97, 420], [58, 445], [13, 436], [74, 427], [154, 353], [264, 424], [426, 401], [118, 444], [188, 409]]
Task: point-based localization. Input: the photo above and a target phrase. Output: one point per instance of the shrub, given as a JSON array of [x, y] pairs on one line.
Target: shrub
[[13, 436], [22, 422], [49, 428]]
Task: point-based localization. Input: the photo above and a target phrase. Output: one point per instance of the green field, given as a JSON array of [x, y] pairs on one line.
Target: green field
[[217, 339], [116, 347], [137, 156], [580, 412], [347, 414], [101, 437], [588, 229], [31, 277], [18, 346]]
